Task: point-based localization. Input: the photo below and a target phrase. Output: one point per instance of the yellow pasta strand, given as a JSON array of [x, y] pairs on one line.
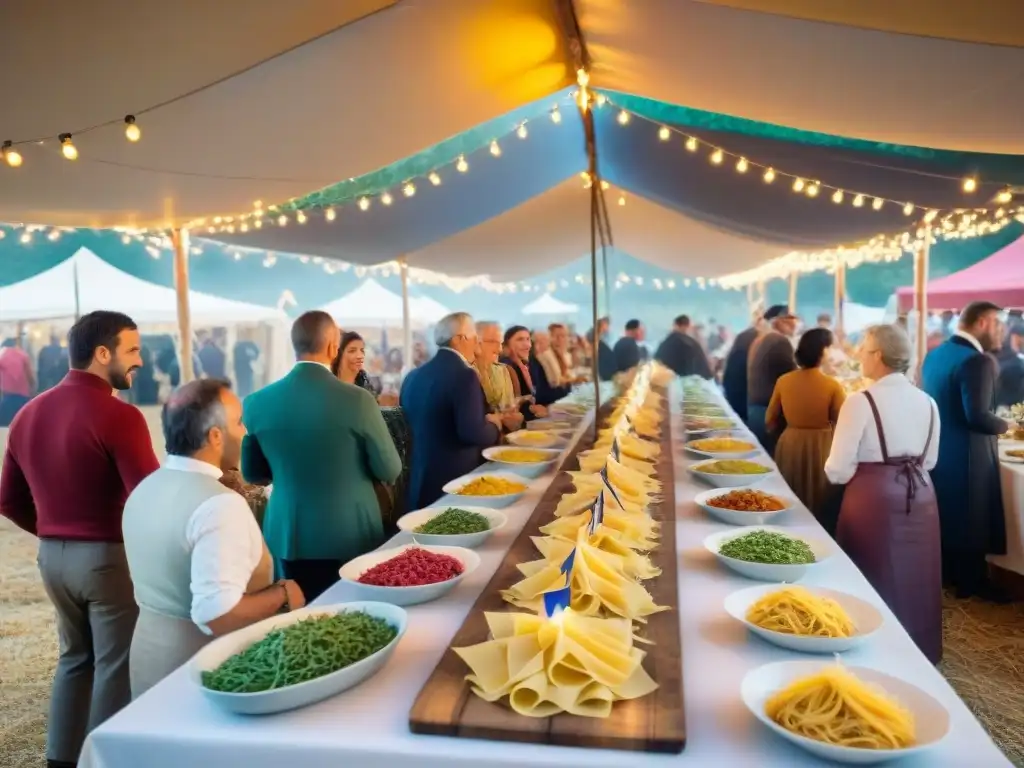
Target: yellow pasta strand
[[797, 611]]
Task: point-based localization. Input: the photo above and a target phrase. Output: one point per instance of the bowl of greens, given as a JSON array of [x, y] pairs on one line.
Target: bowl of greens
[[767, 553], [467, 527], [267, 667]]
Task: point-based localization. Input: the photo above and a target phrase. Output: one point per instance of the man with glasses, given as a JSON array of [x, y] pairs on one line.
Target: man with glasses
[[447, 415], [960, 375]]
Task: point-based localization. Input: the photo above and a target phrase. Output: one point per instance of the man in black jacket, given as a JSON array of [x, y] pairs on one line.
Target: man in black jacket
[[628, 352], [1010, 385], [683, 353]]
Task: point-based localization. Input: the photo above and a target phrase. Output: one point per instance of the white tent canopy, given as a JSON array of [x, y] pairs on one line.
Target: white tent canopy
[[369, 304], [454, 64], [50, 295], [857, 317], [549, 305], [426, 309]]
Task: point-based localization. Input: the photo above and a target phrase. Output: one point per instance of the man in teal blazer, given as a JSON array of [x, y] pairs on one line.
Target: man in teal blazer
[[321, 443]]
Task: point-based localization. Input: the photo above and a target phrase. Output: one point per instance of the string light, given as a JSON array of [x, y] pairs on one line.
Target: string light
[[837, 197], [386, 198], [769, 175], [858, 201], [330, 214], [742, 165], [435, 179], [1005, 196], [364, 203], [691, 144], [813, 189], [970, 184], [556, 116], [462, 166], [877, 204], [664, 133], [798, 184], [67, 147], [717, 156], [282, 220], [622, 199], [521, 131], [301, 217], [132, 132], [908, 209], [623, 117], [495, 149], [11, 156], [409, 189]]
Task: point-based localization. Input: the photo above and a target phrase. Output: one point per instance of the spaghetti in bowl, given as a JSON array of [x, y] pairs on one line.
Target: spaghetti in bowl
[[790, 698], [805, 619]]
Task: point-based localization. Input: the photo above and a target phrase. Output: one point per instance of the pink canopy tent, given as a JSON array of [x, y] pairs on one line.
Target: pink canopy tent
[[999, 278]]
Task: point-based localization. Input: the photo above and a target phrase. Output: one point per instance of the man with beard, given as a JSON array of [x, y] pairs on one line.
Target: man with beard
[[73, 455], [961, 378]]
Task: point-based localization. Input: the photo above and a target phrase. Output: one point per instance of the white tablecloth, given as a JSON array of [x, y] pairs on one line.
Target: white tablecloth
[[1011, 476], [367, 727]]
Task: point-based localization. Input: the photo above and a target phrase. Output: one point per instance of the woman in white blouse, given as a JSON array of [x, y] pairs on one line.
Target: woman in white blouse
[[886, 440]]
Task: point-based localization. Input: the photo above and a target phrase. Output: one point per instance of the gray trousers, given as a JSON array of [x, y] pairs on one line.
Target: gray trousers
[[91, 588]]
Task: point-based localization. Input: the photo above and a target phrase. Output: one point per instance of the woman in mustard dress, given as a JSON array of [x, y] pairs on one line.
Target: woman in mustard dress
[[804, 407]]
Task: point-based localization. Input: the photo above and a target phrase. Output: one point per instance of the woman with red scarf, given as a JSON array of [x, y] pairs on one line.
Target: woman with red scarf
[[517, 357]]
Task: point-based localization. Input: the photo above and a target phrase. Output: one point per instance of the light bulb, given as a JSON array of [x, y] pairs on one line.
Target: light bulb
[[243, 227], [495, 149], [11, 155], [125, 239], [409, 189], [601, 99], [67, 148], [1003, 197], [462, 166], [282, 220], [364, 203], [970, 184], [837, 196], [769, 176], [604, 184], [556, 116], [930, 216], [908, 209], [877, 204], [434, 178], [330, 214], [664, 133], [386, 198], [26, 238], [858, 201], [300, 217], [742, 165], [257, 204], [131, 130], [623, 117], [258, 223], [521, 132], [622, 199], [691, 144], [717, 156], [813, 189], [798, 185]]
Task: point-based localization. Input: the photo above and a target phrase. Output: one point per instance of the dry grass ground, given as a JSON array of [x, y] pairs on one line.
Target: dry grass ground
[[984, 655]]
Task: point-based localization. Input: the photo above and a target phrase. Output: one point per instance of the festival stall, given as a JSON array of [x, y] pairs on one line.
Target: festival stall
[[646, 594], [999, 278]]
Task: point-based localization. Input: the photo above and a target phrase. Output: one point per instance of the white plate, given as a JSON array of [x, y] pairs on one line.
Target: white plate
[[531, 468], [353, 569], [551, 439], [767, 571], [411, 521], [743, 454], [504, 500], [560, 426], [729, 481], [733, 516], [293, 696], [865, 617], [930, 717]]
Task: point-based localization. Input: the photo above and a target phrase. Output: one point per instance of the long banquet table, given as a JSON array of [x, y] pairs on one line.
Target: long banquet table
[[174, 725], [1011, 476]]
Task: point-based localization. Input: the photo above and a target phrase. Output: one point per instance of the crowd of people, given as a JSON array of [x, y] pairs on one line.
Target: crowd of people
[[905, 477], [145, 563]]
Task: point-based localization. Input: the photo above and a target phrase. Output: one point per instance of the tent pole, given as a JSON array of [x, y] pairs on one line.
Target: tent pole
[[403, 271], [179, 238], [840, 294], [921, 297], [793, 277]]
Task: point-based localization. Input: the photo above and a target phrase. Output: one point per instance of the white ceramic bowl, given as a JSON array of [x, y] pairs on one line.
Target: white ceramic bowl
[[411, 521], [930, 717], [527, 438], [293, 696], [866, 618], [766, 571], [729, 481], [559, 425], [353, 569], [753, 450], [733, 516], [528, 468], [504, 500]]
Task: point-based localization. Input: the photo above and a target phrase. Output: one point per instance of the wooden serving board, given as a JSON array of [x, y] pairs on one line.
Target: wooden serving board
[[655, 723]]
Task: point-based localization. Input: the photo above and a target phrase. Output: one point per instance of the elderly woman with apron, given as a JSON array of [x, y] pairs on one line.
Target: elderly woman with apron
[[886, 440]]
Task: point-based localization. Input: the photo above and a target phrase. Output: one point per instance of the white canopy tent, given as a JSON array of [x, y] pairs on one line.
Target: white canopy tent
[[549, 305], [84, 283], [426, 309], [368, 305], [857, 317]]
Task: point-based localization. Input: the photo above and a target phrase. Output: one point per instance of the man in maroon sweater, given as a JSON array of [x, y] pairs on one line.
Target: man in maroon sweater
[[74, 454]]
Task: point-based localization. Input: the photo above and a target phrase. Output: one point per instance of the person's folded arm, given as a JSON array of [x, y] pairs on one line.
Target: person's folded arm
[[977, 382], [226, 550], [842, 461], [385, 463], [16, 501]]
